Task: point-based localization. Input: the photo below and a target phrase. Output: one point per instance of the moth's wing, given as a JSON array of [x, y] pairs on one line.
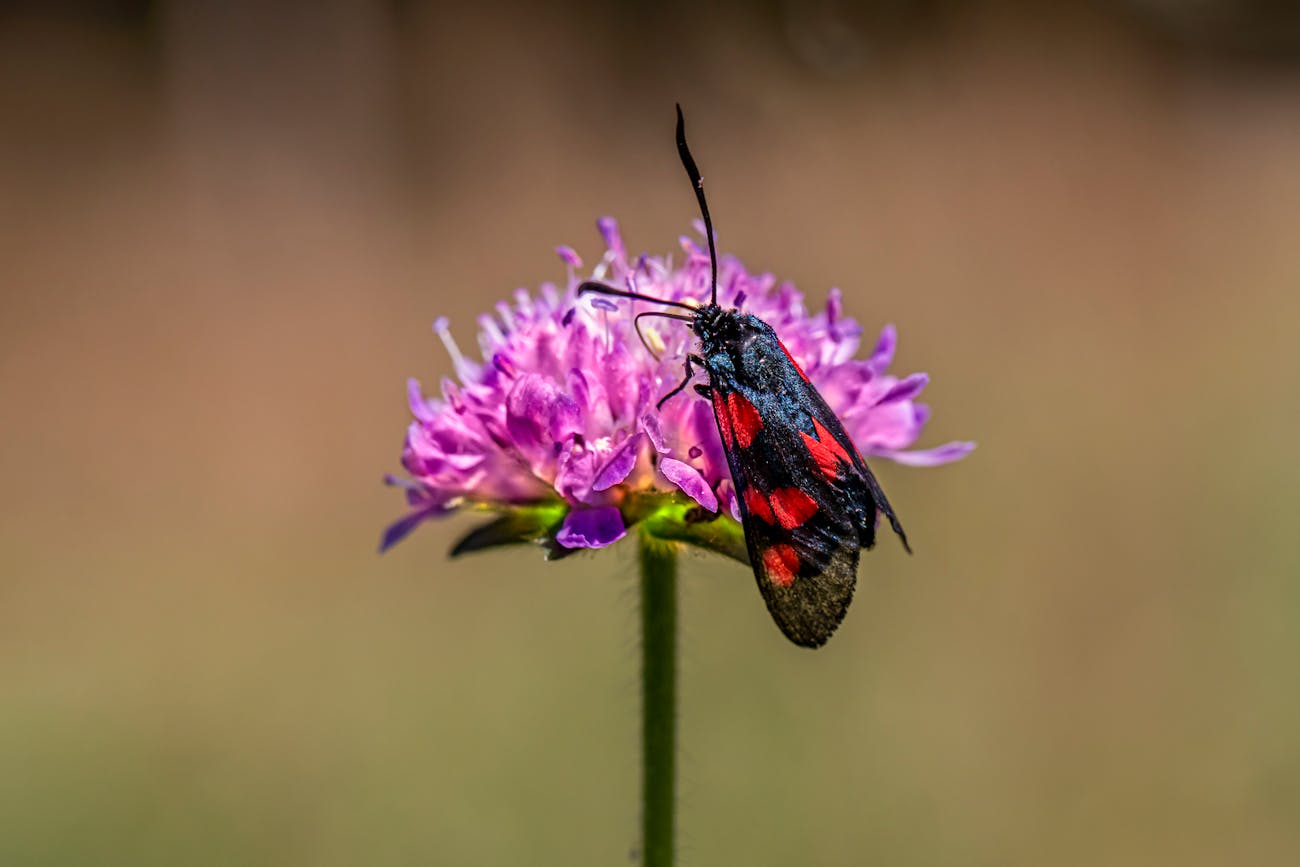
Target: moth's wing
[[858, 476], [830, 445], [821, 566], [803, 519]]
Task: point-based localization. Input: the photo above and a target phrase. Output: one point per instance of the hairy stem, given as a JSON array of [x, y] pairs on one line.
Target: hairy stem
[[659, 700]]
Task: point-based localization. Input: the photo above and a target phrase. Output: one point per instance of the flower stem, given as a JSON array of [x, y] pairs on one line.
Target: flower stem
[[659, 700]]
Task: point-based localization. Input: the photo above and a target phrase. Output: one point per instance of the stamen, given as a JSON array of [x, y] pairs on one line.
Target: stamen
[[524, 304], [655, 342], [507, 315], [551, 295], [608, 228], [396, 482], [465, 369], [834, 307], [503, 363], [451, 394], [490, 335]]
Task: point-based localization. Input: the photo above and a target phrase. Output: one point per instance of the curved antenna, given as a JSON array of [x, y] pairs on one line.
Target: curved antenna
[[636, 323], [602, 289], [693, 172]]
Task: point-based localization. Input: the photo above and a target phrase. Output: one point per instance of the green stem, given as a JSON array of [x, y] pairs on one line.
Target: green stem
[[659, 700]]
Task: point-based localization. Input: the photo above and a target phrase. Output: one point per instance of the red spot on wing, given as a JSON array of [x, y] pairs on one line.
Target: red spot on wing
[[724, 420], [792, 507], [825, 450], [792, 361], [745, 421], [758, 506], [782, 564]]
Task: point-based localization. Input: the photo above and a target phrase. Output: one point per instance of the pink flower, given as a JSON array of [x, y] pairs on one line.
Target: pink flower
[[560, 412]]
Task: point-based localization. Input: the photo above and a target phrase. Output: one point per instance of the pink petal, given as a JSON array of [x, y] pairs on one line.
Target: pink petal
[[690, 481], [883, 355], [400, 529], [591, 528], [650, 424], [943, 454], [906, 389], [619, 466], [419, 406], [608, 228]]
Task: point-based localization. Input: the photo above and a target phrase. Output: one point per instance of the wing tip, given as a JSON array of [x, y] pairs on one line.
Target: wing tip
[[811, 609], [902, 537]]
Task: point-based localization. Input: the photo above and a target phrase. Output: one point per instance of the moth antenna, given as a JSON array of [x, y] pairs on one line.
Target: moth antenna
[[693, 172], [601, 289], [636, 323]]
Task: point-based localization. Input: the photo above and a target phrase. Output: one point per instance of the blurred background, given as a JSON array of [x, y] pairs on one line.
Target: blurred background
[[225, 230]]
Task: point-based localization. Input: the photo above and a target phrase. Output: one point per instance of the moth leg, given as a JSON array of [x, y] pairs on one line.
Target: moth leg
[[691, 360], [704, 390]]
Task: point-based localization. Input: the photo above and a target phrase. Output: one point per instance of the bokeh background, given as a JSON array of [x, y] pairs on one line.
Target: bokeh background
[[225, 229]]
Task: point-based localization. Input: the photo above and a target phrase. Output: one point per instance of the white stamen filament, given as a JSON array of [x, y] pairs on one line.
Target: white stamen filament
[[464, 368], [490, 335], [507, 315]]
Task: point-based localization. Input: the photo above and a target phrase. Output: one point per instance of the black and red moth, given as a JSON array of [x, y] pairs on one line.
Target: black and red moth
[[808, 502]]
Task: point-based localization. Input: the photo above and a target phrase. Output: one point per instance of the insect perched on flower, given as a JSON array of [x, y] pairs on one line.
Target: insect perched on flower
[[808, 502], [569, 431]]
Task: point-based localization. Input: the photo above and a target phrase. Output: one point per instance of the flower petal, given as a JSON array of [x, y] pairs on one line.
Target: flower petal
[[619, 466], [538, 413], [566, 419], [650, 424], [944, 454], [690, 481], [574, 472], [906, 389], [885, 427], [883, 355], [419, 406], [591, 528], [608, 228], [528, 409], [401, 528], [452, 395]]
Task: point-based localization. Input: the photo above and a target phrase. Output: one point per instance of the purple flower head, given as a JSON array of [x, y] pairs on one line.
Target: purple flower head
[[559, 416]]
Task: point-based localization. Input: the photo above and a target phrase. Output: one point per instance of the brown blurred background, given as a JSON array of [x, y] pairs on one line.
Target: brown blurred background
[[225, 229]]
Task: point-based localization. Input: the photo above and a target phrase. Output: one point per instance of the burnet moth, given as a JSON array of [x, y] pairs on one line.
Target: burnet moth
[[808, 502]]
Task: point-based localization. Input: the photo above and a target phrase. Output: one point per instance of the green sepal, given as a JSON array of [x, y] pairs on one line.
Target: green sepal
[[676, 518], [522, 525], [668, 517]]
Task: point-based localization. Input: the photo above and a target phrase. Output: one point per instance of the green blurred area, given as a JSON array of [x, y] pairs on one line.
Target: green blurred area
[[224, 233]]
